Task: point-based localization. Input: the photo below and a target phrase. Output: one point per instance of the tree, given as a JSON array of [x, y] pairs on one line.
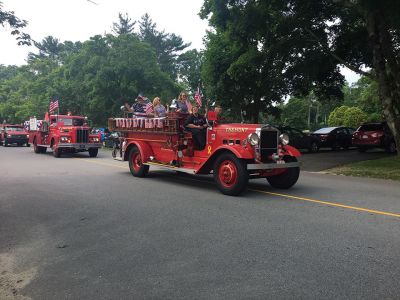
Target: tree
[[8, 17], [166, 46], [124, 25], [255, 57], [347, 116], [189, 68]]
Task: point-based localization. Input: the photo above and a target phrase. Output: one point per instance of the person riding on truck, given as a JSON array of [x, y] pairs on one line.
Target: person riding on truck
[[197, 125], [139, 107]]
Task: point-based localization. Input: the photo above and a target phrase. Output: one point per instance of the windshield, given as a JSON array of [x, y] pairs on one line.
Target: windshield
[[14, 129], [325, 130], [71, 122]]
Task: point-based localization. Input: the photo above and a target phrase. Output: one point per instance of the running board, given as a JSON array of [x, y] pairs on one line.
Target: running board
[[169, 167]]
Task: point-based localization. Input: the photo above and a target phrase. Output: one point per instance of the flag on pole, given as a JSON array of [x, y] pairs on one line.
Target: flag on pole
[[149, 108], [197, 96], [53, 104]]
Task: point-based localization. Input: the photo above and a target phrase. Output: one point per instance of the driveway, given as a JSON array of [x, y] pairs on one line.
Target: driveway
[[326, 159]]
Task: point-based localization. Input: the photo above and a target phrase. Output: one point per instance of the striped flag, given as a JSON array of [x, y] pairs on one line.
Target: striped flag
[[197, 96], [149, 108], [53, 104]]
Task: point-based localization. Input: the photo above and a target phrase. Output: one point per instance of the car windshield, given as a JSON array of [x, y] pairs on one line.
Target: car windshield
[[325, 130], [14, 129], [371, 127], [71, 122]]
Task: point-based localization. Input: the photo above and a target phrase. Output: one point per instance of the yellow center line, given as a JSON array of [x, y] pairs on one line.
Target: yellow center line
[[378, 212]]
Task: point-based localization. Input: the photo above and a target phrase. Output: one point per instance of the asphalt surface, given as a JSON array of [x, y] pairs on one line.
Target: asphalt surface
[[84, 228]]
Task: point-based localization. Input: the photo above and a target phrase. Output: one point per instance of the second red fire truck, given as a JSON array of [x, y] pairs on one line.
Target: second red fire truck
[[63, 133]]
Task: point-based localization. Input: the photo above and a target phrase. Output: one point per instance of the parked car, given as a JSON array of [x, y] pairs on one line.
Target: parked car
[[300, 140], [334, 137], [374, 135]]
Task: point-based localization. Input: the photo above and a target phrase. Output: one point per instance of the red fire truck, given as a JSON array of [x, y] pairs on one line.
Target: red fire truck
[[234, 153], [63, 133], [13, 134]]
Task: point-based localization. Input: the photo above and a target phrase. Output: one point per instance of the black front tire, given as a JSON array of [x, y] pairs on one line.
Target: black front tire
[[234, 183], [56, 152], [288, 179], [136, 166], [93, 152]]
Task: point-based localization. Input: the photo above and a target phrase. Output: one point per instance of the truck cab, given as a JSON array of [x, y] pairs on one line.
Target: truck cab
[[13, 134], [62, 134], [234, 153]]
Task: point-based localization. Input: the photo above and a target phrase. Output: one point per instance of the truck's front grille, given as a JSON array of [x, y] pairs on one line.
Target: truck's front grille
[[82, 135], [268, 143]]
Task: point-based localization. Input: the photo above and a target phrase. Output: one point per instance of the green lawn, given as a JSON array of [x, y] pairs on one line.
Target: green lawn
[[385, 168]]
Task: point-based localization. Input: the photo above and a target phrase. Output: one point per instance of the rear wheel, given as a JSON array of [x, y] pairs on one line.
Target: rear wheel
[[391, 147], [93, 152], [136, 166], [288, 179], [230, 174]]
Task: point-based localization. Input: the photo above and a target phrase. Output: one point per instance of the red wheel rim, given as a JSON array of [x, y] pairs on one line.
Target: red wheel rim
[[227, 173], [136, 161]]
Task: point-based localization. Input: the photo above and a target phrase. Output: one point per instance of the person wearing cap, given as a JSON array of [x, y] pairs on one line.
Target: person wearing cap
[[139, 107], [197, 125]]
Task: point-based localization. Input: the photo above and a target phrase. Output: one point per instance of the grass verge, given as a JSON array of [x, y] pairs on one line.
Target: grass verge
[[384, 168]]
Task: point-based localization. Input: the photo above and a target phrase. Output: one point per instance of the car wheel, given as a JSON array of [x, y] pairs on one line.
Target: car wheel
[[313, 147], [5, 143], [230, 174], [391, 147], [288, 178], [136, 166]]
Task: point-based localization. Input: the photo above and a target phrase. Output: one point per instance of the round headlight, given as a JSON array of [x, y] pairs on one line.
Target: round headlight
[[284, 138], [253, 139]]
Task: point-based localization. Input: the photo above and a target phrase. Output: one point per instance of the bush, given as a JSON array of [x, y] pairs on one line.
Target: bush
[[347, 116]]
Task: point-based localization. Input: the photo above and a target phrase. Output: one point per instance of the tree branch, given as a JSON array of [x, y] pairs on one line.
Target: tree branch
[[338, 58]]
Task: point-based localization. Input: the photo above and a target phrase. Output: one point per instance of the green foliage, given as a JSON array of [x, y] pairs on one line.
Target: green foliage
[[125, 25], [295, 113], [347, 116], [9, 18]]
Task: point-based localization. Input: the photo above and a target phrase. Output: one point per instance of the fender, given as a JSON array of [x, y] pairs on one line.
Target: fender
[[238, 150], [144, 148], [292, 151]]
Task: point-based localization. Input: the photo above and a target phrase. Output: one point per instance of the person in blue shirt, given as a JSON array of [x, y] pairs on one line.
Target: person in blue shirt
[[139, 107]]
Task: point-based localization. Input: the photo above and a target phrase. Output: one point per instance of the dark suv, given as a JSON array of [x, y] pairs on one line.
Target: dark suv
[[334, 137], [374, 135]]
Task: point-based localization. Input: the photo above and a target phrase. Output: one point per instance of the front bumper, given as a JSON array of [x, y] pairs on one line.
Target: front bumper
[[271, 166], [79, 146]]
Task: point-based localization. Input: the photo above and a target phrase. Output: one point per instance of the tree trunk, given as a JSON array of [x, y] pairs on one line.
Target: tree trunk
[[386, 69]]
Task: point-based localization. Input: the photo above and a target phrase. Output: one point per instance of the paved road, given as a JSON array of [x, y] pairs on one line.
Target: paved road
[[82, 228]]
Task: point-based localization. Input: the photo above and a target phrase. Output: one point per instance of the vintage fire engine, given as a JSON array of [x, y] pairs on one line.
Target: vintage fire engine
[[63, 133], [234, 153], [13, 134]]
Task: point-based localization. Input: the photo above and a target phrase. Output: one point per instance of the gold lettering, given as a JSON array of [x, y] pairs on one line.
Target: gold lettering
[[236, 129]]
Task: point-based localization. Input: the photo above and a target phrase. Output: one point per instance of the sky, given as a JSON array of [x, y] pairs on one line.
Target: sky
[[78, 20]]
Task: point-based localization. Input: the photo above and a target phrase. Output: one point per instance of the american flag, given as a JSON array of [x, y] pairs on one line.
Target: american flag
[[53, 104], [149, 108], [197, 96]]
